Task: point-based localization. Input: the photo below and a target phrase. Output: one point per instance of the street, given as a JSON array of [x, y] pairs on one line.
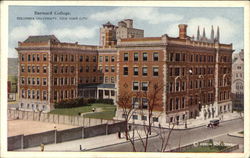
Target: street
[[183, 137]]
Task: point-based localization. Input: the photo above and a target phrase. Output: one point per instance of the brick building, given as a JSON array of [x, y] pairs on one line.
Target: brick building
[[195, 73]]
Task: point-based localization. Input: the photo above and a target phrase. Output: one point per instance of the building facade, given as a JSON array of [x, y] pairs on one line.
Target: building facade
[[194, 73], [238, 80]]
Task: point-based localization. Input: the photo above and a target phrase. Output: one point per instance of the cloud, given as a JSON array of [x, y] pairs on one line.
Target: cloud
[[228, 29], [151, 15], [22, 32], [77, 33]]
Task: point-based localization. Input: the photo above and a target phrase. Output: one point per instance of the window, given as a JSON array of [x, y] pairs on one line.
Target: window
[[28, 57], [66, 57], [144, 118], [144, 56], [28, 93], [44, 81], [112, 69], [94, 69], [62, 69], [22, 69], [61, 57], [144, 86], [33, 81], [87, 68], [44, 95], [29, 81], [100, 78], [87, 59], [177, 57], [135, 117], [112, 79], [72, 58], [135, 56], [125, 70], [125, 57], [55, 58], [155, 119], [135, 71], [23, 93], [144, 71], [38, 69], [22, 57], [81, 69], [55, 81], [177, 71], [155, 56], [135, 86], [81, 58], [28, 68], [94, 79], [144, 103], [177, 86], [171, 57], [106, 79], [106, 92], [135, 102], [113, 59], [106, 58], [55, 69], [22, 80], [94, 58], [112, 93], [183, 102], [44, 57], [106, 69], [100, 58], [72, 81], [33, 69], [33, 94], [44, 69], [100, 68], [72, 69], [155, 71]]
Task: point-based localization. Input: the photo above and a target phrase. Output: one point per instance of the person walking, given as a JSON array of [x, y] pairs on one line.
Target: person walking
[[42, 147]]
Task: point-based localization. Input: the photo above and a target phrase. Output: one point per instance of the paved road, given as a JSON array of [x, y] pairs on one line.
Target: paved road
[[183, 137]]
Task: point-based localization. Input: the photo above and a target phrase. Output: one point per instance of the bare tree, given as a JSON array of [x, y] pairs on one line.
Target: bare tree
[[153, 101]]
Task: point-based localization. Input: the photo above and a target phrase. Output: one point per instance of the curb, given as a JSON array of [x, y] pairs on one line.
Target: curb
[[193, 127], [234, 135], [117, 143]]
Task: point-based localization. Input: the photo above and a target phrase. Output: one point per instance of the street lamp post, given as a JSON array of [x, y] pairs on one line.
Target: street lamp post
[[188, 75]]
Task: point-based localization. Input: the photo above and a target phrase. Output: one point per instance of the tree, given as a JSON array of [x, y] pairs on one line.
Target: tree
[[151, 101]]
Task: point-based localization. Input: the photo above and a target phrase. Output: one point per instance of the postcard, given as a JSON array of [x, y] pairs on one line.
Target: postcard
[[125, 79]]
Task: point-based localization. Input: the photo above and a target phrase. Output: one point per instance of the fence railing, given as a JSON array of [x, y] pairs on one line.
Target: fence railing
[[56, 118]]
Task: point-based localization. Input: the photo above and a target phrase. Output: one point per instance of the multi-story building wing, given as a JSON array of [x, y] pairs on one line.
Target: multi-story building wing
[[238, 80], [34, 72], [195, 74]]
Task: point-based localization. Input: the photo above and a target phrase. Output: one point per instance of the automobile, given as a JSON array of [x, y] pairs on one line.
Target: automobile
[[213, 123]]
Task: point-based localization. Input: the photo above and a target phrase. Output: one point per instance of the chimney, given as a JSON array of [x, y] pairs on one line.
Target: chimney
[[182, 31]]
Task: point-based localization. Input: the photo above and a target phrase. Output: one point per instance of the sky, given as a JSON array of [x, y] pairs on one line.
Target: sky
[[155, 21]]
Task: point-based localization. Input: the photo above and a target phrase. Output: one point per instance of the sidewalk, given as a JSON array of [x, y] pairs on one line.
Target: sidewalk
[[236, 134], [86, 144], [195, 123]]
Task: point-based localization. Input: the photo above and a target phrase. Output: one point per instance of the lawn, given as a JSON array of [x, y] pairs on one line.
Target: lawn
[[206, 149], [107, 111]]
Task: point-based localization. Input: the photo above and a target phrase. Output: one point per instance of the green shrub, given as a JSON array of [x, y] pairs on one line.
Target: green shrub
[[72, 103]]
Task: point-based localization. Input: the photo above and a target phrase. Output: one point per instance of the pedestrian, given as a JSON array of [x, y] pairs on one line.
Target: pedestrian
[[93, 109], [119, 135], [42, 147]]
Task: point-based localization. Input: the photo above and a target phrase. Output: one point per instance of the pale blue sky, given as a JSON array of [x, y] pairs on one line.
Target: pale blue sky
[[155, 21]]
